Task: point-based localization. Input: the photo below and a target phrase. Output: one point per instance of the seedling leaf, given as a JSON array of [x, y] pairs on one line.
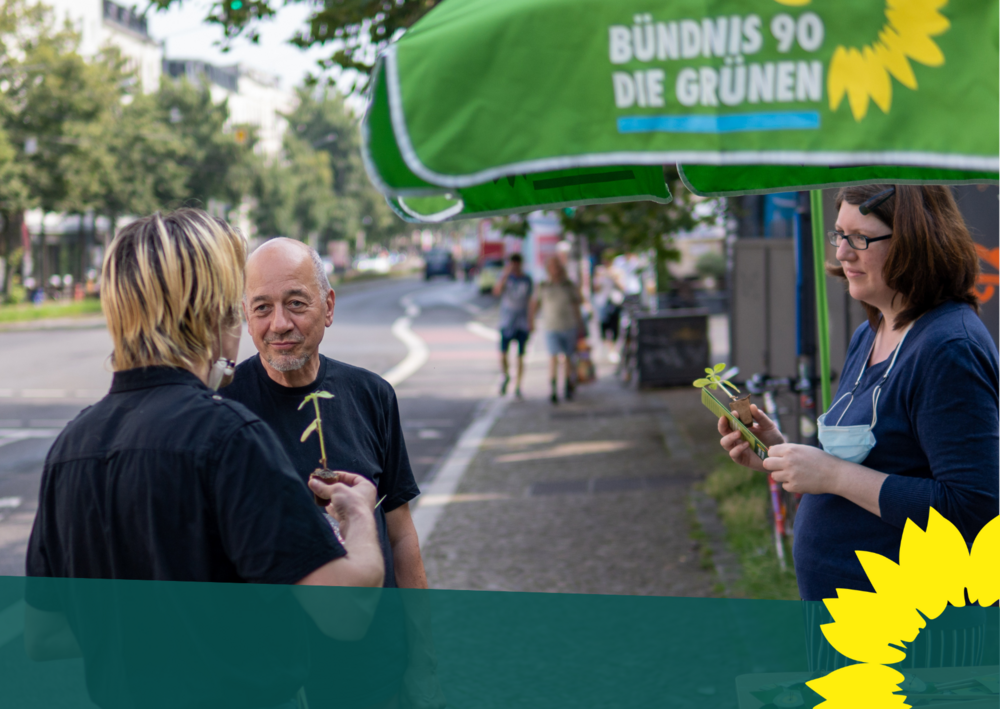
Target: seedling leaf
[[323, 395], [714, 381], [309, 429]]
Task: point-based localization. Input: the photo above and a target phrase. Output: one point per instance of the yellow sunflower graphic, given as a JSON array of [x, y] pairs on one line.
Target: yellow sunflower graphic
[[864, 74], [935, 568]]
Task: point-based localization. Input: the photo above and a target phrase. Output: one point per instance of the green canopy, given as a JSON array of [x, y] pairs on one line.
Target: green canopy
[[480, 97], [480, 90]]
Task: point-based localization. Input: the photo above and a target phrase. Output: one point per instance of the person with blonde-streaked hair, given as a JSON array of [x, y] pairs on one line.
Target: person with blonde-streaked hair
[[164, 480], [168, 285]]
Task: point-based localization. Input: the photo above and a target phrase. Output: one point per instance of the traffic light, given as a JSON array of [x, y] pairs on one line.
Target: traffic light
[[241, 136], [236, 5]]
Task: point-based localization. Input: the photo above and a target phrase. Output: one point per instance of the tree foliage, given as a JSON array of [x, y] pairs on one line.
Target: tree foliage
[[320, 191], [355, 30], [641, 226]]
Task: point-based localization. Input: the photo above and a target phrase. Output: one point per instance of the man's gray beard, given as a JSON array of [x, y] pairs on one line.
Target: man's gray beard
[[287, 363]]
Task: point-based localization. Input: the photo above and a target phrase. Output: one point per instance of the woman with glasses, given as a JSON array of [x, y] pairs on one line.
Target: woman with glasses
[[914, 424]]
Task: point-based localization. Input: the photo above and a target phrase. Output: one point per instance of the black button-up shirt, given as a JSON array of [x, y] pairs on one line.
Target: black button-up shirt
[[163, 480]]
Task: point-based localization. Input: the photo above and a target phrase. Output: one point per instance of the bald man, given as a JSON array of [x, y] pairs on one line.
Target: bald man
[[289, 305]]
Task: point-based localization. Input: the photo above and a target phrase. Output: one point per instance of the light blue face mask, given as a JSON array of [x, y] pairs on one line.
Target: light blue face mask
[[854, 443]]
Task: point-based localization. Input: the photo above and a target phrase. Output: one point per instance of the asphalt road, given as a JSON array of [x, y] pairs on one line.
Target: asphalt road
[[47, 376]]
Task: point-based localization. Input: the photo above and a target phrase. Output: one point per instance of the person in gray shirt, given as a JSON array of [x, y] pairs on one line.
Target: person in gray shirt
[[558, 299], [514, 290]]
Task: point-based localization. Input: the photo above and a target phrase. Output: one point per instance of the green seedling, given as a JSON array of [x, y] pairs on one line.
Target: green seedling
[[317, 424], [713, 381]]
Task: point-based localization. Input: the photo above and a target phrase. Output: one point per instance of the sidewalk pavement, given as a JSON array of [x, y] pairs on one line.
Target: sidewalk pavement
[[595, 495]]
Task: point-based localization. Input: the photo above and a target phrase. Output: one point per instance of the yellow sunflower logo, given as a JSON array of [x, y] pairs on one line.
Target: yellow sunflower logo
[[865, 73], [872, 628]]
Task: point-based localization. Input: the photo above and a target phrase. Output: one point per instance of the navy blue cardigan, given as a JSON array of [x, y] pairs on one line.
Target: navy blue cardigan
[[936, 437]]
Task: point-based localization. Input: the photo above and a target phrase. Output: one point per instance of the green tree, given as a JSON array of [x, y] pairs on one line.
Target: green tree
[[149, 157], [296, 198], [641, 226], [54, 107], [322, 122], [218, 167], [359, 29]]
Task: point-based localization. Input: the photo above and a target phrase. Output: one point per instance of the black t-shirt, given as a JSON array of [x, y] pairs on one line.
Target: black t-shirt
[[361, 429], [163, 480]]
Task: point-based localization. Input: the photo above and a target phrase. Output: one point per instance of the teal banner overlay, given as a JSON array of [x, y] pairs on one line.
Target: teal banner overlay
[[176, 645]]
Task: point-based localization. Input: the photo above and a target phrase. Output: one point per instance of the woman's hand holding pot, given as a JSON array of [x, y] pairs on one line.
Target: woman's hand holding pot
[[738, 449]]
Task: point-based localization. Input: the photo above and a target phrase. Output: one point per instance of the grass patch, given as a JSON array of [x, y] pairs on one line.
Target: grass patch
[[28, 311], [743, 502], [700, 538]]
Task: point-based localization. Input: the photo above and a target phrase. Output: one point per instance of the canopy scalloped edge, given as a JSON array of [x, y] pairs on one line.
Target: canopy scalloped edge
[[407, 214], [825, 185]]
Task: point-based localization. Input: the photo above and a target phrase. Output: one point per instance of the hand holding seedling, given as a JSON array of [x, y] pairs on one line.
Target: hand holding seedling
[[350, 495], [739, 450]]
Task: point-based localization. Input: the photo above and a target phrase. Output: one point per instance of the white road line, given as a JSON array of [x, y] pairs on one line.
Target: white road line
[[442, 488], [481, 330], [11, 435], [44, 393], [415, 358], [417, 352]]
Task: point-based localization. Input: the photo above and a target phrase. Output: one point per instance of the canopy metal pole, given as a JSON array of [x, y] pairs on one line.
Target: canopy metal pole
[[822, 311]]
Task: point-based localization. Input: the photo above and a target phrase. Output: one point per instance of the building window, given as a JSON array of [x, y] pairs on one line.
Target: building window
[[125, 17]]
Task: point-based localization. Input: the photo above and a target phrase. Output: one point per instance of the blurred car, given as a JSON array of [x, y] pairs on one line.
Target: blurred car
[[489, 274], [439, 262]]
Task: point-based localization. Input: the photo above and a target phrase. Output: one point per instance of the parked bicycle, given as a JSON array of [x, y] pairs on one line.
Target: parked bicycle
[[783, 504]]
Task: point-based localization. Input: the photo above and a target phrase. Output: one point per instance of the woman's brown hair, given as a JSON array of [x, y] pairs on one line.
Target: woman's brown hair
[[932, 258]]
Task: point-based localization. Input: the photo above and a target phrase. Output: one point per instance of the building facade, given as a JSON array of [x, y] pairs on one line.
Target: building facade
[[102, 23], [255, 98]]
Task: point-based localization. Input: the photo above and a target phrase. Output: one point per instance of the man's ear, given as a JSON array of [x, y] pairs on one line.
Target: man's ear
[[243, 304], [331, 301]]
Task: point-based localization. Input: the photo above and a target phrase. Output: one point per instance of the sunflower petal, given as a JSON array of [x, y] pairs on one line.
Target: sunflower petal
[[837, 77], [864, 685], [879, 84], [984, 572], [894, 60]]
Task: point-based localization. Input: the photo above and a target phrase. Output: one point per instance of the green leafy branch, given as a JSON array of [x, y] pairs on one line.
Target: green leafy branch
[[317, 424], [713, 381]]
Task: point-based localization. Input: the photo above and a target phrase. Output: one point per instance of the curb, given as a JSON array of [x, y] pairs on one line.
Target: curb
[[703, 508]]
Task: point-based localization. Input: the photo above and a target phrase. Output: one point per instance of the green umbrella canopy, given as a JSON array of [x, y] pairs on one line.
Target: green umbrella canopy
[[480, 90], [747, 96]]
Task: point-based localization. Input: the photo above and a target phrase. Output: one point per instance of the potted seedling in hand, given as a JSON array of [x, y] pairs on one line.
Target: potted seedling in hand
[[739, 404], [322, 472]]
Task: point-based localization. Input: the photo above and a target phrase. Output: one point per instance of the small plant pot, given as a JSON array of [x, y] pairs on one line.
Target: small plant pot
[[328, 477], [741, 407]]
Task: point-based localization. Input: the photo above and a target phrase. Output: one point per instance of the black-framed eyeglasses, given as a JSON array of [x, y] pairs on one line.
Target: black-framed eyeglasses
[[858, 242]]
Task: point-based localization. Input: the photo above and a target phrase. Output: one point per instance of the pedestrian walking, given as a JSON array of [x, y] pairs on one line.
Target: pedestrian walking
[[289, 305], [607, 301], [163, 480], [559, 300], [514, 290]]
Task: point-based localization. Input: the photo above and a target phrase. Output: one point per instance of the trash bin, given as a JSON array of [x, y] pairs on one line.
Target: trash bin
[[673, 347]]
